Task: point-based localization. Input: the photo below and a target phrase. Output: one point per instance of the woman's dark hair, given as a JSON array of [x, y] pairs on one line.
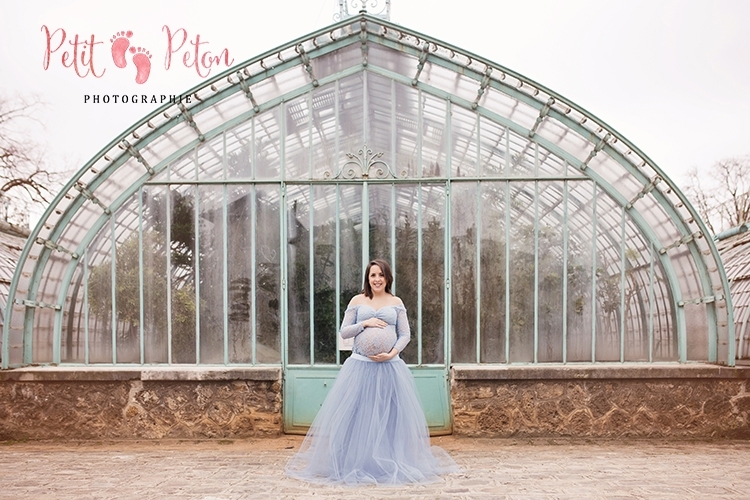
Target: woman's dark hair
[[383, 265]]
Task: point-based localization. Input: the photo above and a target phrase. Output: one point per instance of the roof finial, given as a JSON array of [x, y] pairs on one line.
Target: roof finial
[[351, 8]]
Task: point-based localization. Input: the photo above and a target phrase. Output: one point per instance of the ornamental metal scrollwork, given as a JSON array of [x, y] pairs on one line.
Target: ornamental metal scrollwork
[[350, 8], [365, 164]]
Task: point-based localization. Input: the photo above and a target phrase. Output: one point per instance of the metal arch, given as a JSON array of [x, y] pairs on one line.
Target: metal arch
[[551, 147], [613, 153], [73, 207], [343, 41]]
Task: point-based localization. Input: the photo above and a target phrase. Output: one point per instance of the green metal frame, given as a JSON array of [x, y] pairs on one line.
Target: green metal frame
[[363, 30]]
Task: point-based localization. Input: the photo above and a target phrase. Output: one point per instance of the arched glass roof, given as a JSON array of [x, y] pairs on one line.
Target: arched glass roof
[[368, 99], [733, 246]]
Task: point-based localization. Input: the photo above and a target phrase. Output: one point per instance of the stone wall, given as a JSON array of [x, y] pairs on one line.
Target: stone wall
[[680, 401], [83, 403], [671, 401]]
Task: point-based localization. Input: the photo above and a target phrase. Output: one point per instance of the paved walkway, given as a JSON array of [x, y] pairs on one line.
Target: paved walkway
[[522, 469]]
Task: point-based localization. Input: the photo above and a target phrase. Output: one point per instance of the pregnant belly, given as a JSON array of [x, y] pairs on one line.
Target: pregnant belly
[[373, 341]]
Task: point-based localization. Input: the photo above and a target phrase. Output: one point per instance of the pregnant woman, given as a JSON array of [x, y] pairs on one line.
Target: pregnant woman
[[371, 427]]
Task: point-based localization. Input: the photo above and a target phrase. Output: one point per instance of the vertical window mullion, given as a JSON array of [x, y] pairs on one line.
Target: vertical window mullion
[[651, 305], [253, 251], [507, 271], [86, 306], [447, 268], [478, 273], [168, 244], [338, 214], [593, 273], [283, 270], [394, 264], [622, 287], [197, 270], [419, 273], [311, 272], [283, 214], [565, 275], [254, 275], [225, 269], [114, 289], [225, 241], [141, 302], [478, 244], [393, 222], [536, 271], [337, 300]]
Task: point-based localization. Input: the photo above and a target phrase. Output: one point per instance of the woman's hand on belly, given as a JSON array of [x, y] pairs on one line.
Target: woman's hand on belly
[[384, 356], [374, 323]]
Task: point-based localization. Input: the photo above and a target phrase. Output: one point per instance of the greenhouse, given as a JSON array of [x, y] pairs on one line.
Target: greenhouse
[[231, 228]]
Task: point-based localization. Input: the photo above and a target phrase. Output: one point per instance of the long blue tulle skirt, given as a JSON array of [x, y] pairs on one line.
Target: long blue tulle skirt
[[371, 429]]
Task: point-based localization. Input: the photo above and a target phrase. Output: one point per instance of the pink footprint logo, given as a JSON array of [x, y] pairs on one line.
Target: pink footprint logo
[[142, 61], [120, 44]]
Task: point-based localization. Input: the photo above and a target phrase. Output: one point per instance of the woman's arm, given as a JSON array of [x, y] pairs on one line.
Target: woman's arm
[[403, 333], [349, 327]]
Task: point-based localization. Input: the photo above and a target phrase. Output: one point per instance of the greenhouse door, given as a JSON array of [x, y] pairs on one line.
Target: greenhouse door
[[332, 230]]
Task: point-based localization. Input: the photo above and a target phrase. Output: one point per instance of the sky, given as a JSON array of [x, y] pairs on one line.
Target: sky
[[671, 76]]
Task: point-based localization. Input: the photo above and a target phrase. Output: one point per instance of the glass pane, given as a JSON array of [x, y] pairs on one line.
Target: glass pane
[[463, 142], [522, 155], [298, 262], [211, 159], [463, 265], [550, 271], [182, 274], [580, 246], [522, 247], [211, 265], [298, 137], [324, 274], [381, 196], [407, 130], [73, 346], [636, 312], [665, 334], [239, 274], [325, 131], [267, 274], [99, 255], [379, 115], [266, 148], [351, 135], [548, 164], [405, 269], [492, 146], [493, 283], [155, 275], [240, 150], [434, 137], [185, 168], [44, 322], [350, 251], [608, 279], [128, 289], [433, 273]]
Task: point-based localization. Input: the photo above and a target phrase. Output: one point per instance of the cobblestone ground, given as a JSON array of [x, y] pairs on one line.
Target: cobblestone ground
[[518, 469]]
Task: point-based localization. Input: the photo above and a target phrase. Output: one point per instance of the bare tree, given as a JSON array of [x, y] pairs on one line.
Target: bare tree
[[721, 194], [24, 175]]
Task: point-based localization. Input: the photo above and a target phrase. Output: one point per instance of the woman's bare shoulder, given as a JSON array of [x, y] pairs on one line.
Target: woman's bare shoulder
[[358, 300], [395, 301]]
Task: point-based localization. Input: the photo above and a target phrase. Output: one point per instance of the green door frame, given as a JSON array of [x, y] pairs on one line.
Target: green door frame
[[306, 386]]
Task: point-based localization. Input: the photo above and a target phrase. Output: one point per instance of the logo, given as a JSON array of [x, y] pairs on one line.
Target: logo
[[141, 57], [85, 56]]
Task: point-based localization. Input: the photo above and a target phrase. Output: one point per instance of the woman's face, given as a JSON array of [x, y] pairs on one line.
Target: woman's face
[[377, 279]]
